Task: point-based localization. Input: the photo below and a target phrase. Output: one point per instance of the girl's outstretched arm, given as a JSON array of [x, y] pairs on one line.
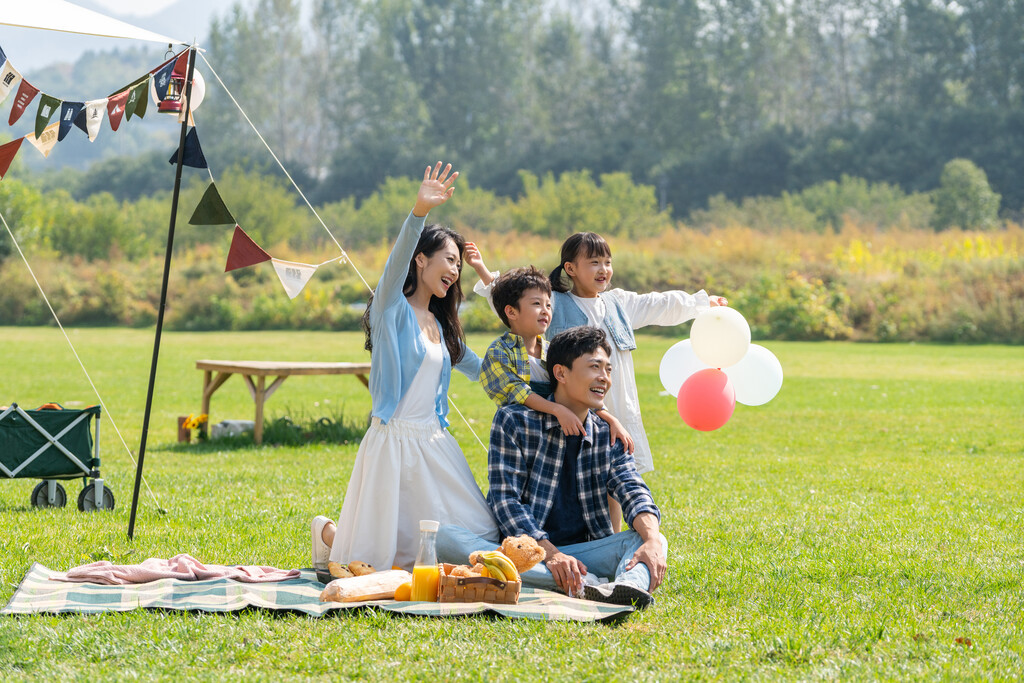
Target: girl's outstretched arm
[[475, 260]]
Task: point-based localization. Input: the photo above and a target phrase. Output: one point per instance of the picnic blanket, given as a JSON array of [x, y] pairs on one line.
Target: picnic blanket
[[38, 594]]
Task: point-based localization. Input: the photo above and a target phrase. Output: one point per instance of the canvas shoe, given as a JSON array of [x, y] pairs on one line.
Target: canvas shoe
[[321, 551], [619, 594]]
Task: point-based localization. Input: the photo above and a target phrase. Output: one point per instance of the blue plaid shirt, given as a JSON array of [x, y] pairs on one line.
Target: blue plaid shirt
[[525, 459], [505, 370]]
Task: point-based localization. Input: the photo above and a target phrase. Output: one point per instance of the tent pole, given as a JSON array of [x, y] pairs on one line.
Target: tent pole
[[163, 291]]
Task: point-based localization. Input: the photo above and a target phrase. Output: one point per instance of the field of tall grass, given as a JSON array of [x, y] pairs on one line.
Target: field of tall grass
[[859, 283]]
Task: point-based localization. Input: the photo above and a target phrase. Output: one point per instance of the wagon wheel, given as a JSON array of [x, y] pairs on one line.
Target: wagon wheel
[[87, 499], [41, 499]]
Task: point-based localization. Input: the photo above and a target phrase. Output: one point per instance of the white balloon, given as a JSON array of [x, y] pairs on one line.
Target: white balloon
[[678, 363], [720, 336], [757, 378]]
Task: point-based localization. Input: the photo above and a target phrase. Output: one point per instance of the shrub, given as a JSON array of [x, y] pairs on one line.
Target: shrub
[[964, 198]]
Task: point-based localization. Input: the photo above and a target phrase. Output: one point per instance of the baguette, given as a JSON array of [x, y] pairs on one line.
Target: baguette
[[376, 586]]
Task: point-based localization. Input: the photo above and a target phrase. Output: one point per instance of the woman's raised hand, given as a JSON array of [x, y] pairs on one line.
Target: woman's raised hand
[[437, 188]]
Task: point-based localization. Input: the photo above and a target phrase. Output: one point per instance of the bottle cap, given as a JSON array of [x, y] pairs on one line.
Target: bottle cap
[[429, 525]]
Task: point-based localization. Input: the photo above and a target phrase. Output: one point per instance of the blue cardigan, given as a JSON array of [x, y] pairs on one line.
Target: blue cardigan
[[398, 349]]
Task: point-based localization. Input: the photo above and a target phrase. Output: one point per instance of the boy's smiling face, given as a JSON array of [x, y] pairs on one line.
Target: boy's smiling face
[[532, 315]]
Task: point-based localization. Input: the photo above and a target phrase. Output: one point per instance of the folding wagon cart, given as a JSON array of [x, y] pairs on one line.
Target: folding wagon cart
[[53, 444]]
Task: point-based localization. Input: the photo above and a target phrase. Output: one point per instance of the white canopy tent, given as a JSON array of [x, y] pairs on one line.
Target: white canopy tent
[[58, 15]]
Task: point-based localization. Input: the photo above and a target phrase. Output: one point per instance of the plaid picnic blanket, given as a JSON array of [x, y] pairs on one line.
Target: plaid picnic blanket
[[38, 595]]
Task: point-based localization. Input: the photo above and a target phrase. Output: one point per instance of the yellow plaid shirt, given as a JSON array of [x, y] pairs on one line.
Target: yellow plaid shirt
[[505, 371]]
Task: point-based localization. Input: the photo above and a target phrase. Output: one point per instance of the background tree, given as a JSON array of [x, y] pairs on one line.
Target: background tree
[[964, 198]]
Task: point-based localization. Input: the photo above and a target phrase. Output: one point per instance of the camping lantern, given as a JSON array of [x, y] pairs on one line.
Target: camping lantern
[[172, 101]]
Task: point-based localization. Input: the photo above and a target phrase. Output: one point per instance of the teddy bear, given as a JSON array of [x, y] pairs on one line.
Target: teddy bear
[[524, 551]]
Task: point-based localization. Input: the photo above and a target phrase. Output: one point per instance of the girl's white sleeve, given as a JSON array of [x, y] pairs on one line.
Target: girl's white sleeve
[[485, 290], [661, 308]]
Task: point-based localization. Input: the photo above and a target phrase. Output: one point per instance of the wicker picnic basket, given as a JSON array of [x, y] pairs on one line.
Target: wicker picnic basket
[[476, 588]]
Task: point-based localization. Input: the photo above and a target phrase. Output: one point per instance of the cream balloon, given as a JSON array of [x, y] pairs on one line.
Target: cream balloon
[[678, 363], [720, 336], [757, 378]]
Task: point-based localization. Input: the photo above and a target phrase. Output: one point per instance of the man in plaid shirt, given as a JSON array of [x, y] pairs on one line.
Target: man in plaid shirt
[[555, 487]]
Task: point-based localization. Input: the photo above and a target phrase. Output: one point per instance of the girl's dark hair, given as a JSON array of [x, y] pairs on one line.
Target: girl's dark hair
[[586, 244], [446, 310]]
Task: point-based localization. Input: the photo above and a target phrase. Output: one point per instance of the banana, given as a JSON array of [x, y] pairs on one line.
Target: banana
[[498, 560]]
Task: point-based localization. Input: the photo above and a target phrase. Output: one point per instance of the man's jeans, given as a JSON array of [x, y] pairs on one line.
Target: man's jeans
[[606, 557]]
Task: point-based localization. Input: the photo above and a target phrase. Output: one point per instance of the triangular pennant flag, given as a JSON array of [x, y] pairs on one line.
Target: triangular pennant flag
[[7, 154], [243, 252], [293, 276], [91, 117], [45, 142], [115, 108], [138, 98], [3, 55], [162, 79], [48, 104], [68, 113], [193, 152], [26, 93], [8, 77], [211, 209]]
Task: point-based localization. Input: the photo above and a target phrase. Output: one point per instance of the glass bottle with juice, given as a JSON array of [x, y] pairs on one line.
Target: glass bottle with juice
[[425, 574]]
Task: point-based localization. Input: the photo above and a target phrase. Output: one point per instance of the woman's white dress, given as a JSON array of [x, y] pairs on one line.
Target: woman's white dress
[[407, 470]]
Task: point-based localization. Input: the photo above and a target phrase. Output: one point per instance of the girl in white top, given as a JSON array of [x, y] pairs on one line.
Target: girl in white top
[[581, 297], [409, 467]]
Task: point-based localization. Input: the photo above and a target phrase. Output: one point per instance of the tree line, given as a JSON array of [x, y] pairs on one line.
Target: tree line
[[695, 98]]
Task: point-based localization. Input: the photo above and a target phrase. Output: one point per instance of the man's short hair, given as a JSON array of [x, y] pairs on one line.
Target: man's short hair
[[572, 343], [509, 288]]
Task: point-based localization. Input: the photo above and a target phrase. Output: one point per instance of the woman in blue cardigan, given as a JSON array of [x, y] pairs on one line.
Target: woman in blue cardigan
[[408, 466]]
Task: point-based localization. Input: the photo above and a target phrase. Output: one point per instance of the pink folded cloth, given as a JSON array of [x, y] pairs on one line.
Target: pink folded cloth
[[183, 567]]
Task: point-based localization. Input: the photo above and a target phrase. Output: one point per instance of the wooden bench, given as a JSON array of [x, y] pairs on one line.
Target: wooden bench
[[260, 370]]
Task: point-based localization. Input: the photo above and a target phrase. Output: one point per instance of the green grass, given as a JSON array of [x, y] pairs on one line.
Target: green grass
[[857, 526]]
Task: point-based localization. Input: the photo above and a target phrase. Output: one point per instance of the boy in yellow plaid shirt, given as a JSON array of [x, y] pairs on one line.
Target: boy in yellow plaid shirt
[[514, 369]]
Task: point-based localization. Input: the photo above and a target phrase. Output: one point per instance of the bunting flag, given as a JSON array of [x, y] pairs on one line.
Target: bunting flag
[[8, 77], [193, 152], [90, 119], [138, 98], [243, 252], [48, 104], [45, 142], [69, 111], [7, 154], [293, 276], [162, 79], [211, 209], [115, 108], [26, 93]]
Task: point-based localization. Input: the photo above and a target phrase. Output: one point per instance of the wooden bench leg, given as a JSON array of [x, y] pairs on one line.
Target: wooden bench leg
[[210, 385]]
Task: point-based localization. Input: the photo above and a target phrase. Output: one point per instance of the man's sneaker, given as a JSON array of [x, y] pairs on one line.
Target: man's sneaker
[[321, 551], [619, 594]]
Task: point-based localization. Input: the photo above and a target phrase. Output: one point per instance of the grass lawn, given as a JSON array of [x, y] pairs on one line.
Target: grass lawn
[[867, 523]]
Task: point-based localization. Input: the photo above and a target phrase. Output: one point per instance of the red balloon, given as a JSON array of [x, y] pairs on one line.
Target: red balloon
[[706, 400]]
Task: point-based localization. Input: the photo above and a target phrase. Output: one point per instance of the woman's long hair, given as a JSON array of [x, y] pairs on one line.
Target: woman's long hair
[[587, 244], [446, 309]]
